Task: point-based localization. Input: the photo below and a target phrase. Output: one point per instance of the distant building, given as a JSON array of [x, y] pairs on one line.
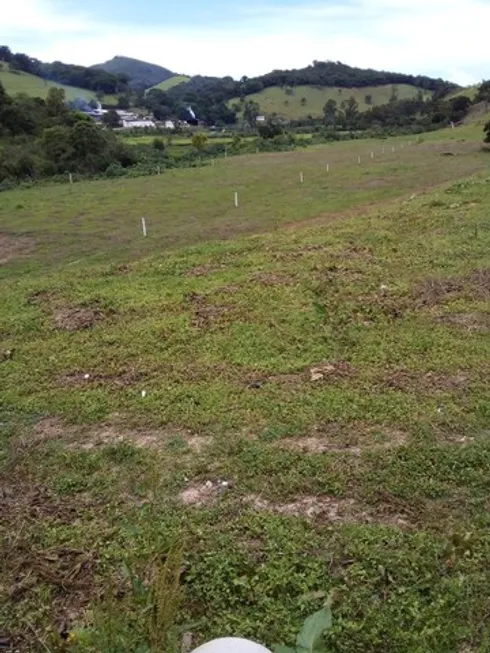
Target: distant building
[[169, 124], [260, 119], [138, 124]]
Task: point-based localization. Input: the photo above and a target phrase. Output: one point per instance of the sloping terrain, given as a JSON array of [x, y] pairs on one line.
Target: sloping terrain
[[176, 80], [302, 101], [142, 74], [20, 82], [210, 429]]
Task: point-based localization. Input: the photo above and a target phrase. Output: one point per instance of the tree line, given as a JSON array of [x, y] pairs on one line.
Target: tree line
[[93, 79], [44, 138]]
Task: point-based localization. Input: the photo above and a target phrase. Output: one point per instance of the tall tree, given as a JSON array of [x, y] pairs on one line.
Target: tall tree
[[55, 103], [111, 119], [330, 112], [251, 110], [351, 112], [483, 94]]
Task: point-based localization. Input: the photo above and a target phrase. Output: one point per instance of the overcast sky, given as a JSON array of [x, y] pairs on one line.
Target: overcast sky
[[442, 38]]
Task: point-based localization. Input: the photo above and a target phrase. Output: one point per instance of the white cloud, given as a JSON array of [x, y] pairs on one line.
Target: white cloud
[[436, 37]]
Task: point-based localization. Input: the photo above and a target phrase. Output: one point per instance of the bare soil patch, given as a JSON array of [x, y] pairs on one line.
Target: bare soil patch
[[274, 278], [406, 380], [352, 439], [77, 437], [433, 292], [118, 380], [205, 315], [204, 269], [325, 371], [13, 247], [73, 318], [331, 509], [472, 322]]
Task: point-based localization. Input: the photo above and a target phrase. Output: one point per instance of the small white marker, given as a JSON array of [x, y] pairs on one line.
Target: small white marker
[[372, 155], [143, 226], [158, 170], [301, 177], [70, 177], [328, 167], [359, 160], [143, 394], [86, 376], [235, 200], [393, 148]]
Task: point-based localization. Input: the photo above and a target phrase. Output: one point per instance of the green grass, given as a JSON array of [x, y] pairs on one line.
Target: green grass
[[20, 82], [277, 100], [170, 83], [469, 91], [371, 481]]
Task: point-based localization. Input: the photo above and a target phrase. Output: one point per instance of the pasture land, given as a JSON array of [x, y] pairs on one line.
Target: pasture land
[[171, 82], [265, 403], [302, 101], [19, 82]]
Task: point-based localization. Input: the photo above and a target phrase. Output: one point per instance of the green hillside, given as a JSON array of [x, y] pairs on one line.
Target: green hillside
[[302, 101], [171, 83], [469, 91], [20, 82]]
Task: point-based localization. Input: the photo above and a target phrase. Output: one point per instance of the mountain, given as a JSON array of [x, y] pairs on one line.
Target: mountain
[[142, 74]]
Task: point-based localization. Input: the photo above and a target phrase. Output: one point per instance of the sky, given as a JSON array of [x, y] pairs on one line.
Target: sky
[[441, 38]]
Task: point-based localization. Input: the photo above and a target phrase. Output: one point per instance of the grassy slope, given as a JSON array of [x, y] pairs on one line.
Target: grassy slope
[[469, 91], [37, 87], [222, 336], [273, 100], [170, 83]]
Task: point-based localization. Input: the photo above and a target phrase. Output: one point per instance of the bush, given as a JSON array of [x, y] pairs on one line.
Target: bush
[[159, 144], [487, 132]]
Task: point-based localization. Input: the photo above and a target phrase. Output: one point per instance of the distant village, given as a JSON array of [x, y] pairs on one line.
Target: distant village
[[130, 120]]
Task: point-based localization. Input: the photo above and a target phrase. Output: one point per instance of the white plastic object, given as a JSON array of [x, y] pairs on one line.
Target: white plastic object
[[231, 645]]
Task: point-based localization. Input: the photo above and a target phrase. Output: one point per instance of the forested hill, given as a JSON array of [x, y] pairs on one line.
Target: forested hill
[[93, 79], [319, 74], [142, 75]]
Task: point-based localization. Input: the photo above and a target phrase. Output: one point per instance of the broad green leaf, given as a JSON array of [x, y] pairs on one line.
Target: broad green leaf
[[284, 649], [310, 636]]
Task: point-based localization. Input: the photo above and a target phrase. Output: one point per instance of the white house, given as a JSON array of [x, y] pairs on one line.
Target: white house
[[137, 124], [169, 124]]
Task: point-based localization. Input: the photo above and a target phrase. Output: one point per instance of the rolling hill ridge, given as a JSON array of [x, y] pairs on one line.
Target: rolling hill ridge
[[142, 75]]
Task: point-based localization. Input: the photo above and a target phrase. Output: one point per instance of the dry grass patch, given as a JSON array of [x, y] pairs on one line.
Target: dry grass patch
[[330, 509], [472, 322], [13, 247], [87, 438], [353, 439], [406, 380], [435, 291]]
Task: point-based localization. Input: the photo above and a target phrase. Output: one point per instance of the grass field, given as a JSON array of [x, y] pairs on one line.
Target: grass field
[[218, 425], [20, 82], [277, 100], [469, 91], [170, 83]]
